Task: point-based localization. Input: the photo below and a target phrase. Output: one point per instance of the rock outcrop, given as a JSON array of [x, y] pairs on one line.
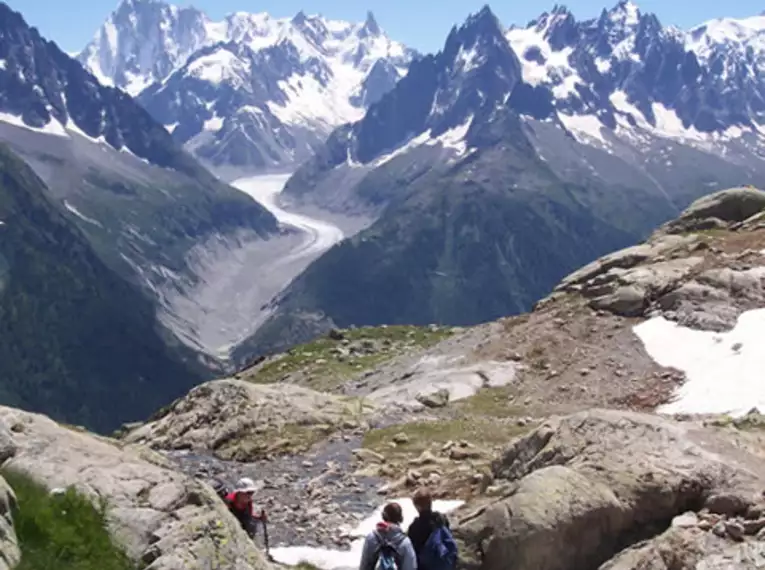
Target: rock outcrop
[[682, 274], [9, 546], [164, 520], [240, 420], [582, 489], [720, 210]]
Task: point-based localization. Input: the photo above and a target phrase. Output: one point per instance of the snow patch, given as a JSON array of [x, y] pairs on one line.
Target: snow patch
[[728, 34], [310, 101], [213, 124], [328, 559], [453, 139], [219, 67], [419, 140], [723, 370], [468, 59], [72, 127], [52, 128], [603, 65], [540, 63], [584, 128], [626, 14], [80, 215]]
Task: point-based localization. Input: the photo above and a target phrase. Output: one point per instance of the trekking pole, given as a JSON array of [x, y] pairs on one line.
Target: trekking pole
[[265, 534]]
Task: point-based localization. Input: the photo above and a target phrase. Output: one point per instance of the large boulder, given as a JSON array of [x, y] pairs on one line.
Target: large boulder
[[719, 210], [689, 549], [581, 488], [164, 519], [241, 420], [628, 281], [714, 299]]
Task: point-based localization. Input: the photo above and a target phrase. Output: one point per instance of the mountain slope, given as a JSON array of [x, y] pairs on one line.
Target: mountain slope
[[511, 157], [148, 207], [250, 91], [76, 342]]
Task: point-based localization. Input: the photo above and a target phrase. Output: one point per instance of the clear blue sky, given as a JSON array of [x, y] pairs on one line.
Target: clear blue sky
[[422, 24]]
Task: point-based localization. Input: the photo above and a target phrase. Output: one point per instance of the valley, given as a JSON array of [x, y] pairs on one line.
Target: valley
[[524, 271], [238, 281]]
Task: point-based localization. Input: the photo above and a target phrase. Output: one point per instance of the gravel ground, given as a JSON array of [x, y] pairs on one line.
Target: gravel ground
[[300, 490]]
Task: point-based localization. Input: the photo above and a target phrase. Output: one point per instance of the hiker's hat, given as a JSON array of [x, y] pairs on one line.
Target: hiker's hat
[[245, 485]]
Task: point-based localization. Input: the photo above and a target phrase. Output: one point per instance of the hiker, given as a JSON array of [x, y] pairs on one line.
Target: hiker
[[387, 547], [431, 536], [239, 502]]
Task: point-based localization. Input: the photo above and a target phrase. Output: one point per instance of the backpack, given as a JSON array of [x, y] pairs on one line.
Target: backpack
[[388, 557], [220, 488], [440, 550]]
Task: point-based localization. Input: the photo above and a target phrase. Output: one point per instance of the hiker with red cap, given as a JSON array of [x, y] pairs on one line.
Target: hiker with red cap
[[239, 502]]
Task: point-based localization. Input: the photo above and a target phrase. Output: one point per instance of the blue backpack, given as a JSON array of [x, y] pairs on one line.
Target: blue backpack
[[388, 558], [440, 550]]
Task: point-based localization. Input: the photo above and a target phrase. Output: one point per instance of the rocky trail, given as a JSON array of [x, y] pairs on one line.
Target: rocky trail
[[310, 498]]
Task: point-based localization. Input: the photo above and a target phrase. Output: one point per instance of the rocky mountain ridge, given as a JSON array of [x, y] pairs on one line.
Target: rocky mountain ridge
[[622, 76], [149, 209], [77, 342], [251, 91], [611, 115]]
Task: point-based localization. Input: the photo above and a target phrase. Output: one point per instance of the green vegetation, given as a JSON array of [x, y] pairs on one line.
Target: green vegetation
[[483, 432], [57, 532], [753, 421], [76, 341], [327, 362], [493, 403]]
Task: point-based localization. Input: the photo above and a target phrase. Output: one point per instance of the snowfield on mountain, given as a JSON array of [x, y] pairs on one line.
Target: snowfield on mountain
[[250, 91]]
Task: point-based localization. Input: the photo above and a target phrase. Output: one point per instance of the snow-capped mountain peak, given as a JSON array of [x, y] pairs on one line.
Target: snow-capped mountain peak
[[370, 27], [252, 90], [728, 35], [144, 41], [625, 14], [621, 80]]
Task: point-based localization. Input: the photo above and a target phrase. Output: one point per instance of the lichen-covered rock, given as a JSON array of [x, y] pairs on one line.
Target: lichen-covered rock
[[589, 484], [163, 518], [627, 258], [240, 420], [627, 282], [437, 399], [719, 210], [715, 298]]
